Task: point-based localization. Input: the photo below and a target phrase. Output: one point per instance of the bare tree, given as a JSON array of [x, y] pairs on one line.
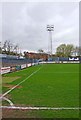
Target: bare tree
[[16, 47], [9, 48], [41, 51]]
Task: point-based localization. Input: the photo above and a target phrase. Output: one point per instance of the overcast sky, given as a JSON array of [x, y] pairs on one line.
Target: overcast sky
[[25, 24]]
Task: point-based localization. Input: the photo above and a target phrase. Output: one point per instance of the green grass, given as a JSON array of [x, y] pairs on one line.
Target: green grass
[[54, 85], [9, 79]]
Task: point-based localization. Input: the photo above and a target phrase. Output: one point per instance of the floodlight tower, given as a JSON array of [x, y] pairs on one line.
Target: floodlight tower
[[50, 28]]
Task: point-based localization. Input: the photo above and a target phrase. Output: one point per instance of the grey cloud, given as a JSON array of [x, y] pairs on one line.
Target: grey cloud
[[26, 23]]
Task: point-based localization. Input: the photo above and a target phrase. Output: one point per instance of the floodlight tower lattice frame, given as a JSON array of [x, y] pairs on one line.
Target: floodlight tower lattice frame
[[50, 28]]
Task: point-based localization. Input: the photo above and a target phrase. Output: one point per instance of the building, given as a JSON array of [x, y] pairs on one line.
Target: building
[[33, 55]]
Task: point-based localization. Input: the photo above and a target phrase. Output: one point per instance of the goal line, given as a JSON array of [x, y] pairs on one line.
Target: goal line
[[40, 108]]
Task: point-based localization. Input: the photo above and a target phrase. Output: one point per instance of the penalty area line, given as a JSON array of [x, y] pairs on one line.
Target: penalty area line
[[19, 83]]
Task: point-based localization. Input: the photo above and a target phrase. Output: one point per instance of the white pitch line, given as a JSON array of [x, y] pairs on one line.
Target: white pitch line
[[41, 108], [58, 72], [19, 83], [4, 98]]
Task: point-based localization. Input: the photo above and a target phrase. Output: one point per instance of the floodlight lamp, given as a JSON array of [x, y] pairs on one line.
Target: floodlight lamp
[[50, 27]]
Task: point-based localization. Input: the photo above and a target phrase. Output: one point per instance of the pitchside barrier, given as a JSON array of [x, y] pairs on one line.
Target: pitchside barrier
[[30, 64], [4, 70], [51, 62], [12, 69], [23, 66], [18, 67], [33, 64]]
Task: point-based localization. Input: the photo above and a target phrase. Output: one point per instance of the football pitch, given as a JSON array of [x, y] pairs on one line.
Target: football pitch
[[48, 90]]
